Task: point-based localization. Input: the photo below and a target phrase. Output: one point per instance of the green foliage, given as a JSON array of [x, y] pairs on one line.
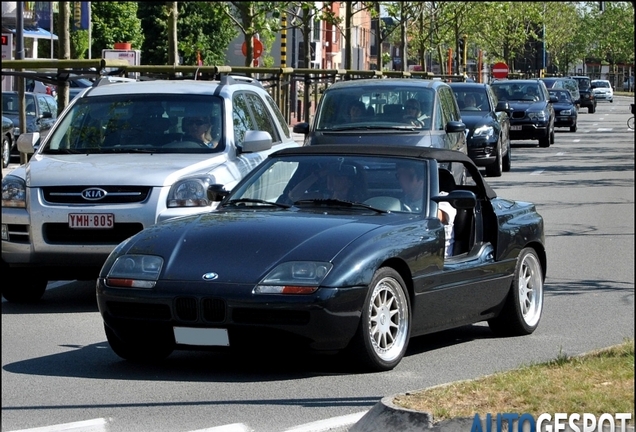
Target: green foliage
[[113, 22]]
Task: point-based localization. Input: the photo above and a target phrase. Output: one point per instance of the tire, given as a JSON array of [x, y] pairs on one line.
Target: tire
[[545, 141], [630, 123], [507, 159], [573, 128], [385, 325], [591, 110], [6, 151], [149, 351], [495, 168], [552, 134], [22, 287], [522, 311]]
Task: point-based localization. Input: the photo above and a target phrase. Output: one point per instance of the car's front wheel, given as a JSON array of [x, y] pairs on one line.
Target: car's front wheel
[[573, 128], [507, 159], [385, 325], [148, 351], [495, 168], [522, 311], [6, 151]]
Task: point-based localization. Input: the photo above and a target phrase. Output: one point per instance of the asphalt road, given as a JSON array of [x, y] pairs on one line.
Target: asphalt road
[[57, 367]]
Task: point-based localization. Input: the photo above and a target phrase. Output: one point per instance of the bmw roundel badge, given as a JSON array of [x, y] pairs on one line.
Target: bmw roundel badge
[[210, 276]]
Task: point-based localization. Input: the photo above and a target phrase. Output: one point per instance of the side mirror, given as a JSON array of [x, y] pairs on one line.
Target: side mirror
[[47, 115], [256, 141], [216, 192], [502, 106], [301, 128], [455, 126], [460, 199], [27, 142], [553, 99]]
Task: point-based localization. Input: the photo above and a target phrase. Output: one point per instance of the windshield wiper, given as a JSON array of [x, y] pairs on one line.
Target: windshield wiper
[[256, 201], [371, 127], [338, 203]]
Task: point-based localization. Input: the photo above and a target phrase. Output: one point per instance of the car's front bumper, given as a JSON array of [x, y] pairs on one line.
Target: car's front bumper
[[482, 151], [325, 320], [528, 130], [603, 97]]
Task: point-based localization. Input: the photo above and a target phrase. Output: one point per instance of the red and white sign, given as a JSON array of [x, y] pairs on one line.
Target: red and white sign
[[258, 48], [500, 70]]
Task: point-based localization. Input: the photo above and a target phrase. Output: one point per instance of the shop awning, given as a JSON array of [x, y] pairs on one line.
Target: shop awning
[[32, 32]]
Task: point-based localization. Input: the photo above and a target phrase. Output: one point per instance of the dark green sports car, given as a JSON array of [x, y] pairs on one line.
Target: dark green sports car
[[318, 248]]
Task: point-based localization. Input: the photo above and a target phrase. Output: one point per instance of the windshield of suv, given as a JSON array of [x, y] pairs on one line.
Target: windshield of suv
[[584, 83], [376, 107], [140, 123], [512, 91]]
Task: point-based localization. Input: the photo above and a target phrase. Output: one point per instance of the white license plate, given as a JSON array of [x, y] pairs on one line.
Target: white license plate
[[515, 127], [201, 336], [91, 220]]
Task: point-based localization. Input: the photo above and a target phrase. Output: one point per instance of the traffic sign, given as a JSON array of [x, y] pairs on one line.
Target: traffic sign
[[258, 48], [500, 70]]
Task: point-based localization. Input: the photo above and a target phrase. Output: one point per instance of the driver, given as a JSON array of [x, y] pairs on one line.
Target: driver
[[199, 130]]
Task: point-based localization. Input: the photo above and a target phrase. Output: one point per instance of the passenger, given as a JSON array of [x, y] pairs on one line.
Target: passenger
[[356, 111], [446, 212], [344, 182]]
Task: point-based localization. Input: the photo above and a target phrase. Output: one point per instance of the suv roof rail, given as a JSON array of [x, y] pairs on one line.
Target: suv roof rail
[[111, 80], [236, 79]]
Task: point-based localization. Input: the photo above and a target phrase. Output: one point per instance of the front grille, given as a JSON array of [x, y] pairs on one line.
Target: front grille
[[186, 308], [139, 311], [60, 233], [212, 310], [114, 194], [518, 114], [267, 316]]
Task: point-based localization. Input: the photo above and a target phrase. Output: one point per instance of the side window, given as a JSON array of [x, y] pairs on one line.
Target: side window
[[449, 105], [279, 115], [262, 116], [241, 118], [44, 107], [440, 119]]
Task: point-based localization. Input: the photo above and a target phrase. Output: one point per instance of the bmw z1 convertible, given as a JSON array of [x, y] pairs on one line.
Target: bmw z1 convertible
[[319, 247]]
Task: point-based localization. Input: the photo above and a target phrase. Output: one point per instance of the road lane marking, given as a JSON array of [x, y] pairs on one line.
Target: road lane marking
[[234, 427], [537, 172], [95, 425], [329, 424]]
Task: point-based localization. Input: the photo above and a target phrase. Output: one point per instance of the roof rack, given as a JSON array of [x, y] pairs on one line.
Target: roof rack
[[239, 79]]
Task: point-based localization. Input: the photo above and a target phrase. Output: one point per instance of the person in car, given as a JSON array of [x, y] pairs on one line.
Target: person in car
[[344, 182], [470, 103], [356, 111], [199, 130]]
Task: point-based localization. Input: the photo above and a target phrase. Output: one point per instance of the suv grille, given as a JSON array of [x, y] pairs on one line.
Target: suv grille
[[114, 194], [518, 114]]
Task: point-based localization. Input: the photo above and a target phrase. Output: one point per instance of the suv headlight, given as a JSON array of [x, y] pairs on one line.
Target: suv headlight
[[190, 192], [13, 192], [541, 116], [484, 131]]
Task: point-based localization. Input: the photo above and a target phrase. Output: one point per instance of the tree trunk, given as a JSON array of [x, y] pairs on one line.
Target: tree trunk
[[173, 43]]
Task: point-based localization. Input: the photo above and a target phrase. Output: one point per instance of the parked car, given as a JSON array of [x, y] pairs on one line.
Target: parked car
[[36, 86], [385, 119], [76, 85], [628, 84], [564, 109], [119, 160], [587, 96], [570, 84], [487, 127], [531, 111], [602, 90], [360, 277], [7, 140], [40, 109]]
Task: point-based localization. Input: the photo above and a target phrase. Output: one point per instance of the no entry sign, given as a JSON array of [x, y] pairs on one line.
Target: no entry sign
[[500, 70]]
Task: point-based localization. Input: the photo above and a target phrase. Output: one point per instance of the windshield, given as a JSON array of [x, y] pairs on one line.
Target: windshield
[[140, 123], [517, 92], [363, 182], [376, 107], [600, 84], [471, 98]]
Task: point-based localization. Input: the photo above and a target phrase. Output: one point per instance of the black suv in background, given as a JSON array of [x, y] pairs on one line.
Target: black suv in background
[[585, 89], [531, 112]]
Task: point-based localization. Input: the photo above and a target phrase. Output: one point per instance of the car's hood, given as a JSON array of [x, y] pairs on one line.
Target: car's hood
[[116, 169], [562, 106], [474, 119], [243, 246], [526, 105], [386, 136]]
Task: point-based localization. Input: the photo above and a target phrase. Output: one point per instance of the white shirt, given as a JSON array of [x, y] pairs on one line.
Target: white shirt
[[449, 229]]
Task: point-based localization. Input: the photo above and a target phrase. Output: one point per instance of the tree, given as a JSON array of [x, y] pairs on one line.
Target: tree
[[114, 22]]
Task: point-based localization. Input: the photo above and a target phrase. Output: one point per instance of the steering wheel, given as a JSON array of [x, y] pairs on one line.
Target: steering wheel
[[414, 121]]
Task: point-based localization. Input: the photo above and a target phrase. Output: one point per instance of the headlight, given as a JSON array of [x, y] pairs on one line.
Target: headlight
[[192, 192], [13, 192], [295, 277], [484, 131], [566, 112], [135, 271], [538, 116]]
